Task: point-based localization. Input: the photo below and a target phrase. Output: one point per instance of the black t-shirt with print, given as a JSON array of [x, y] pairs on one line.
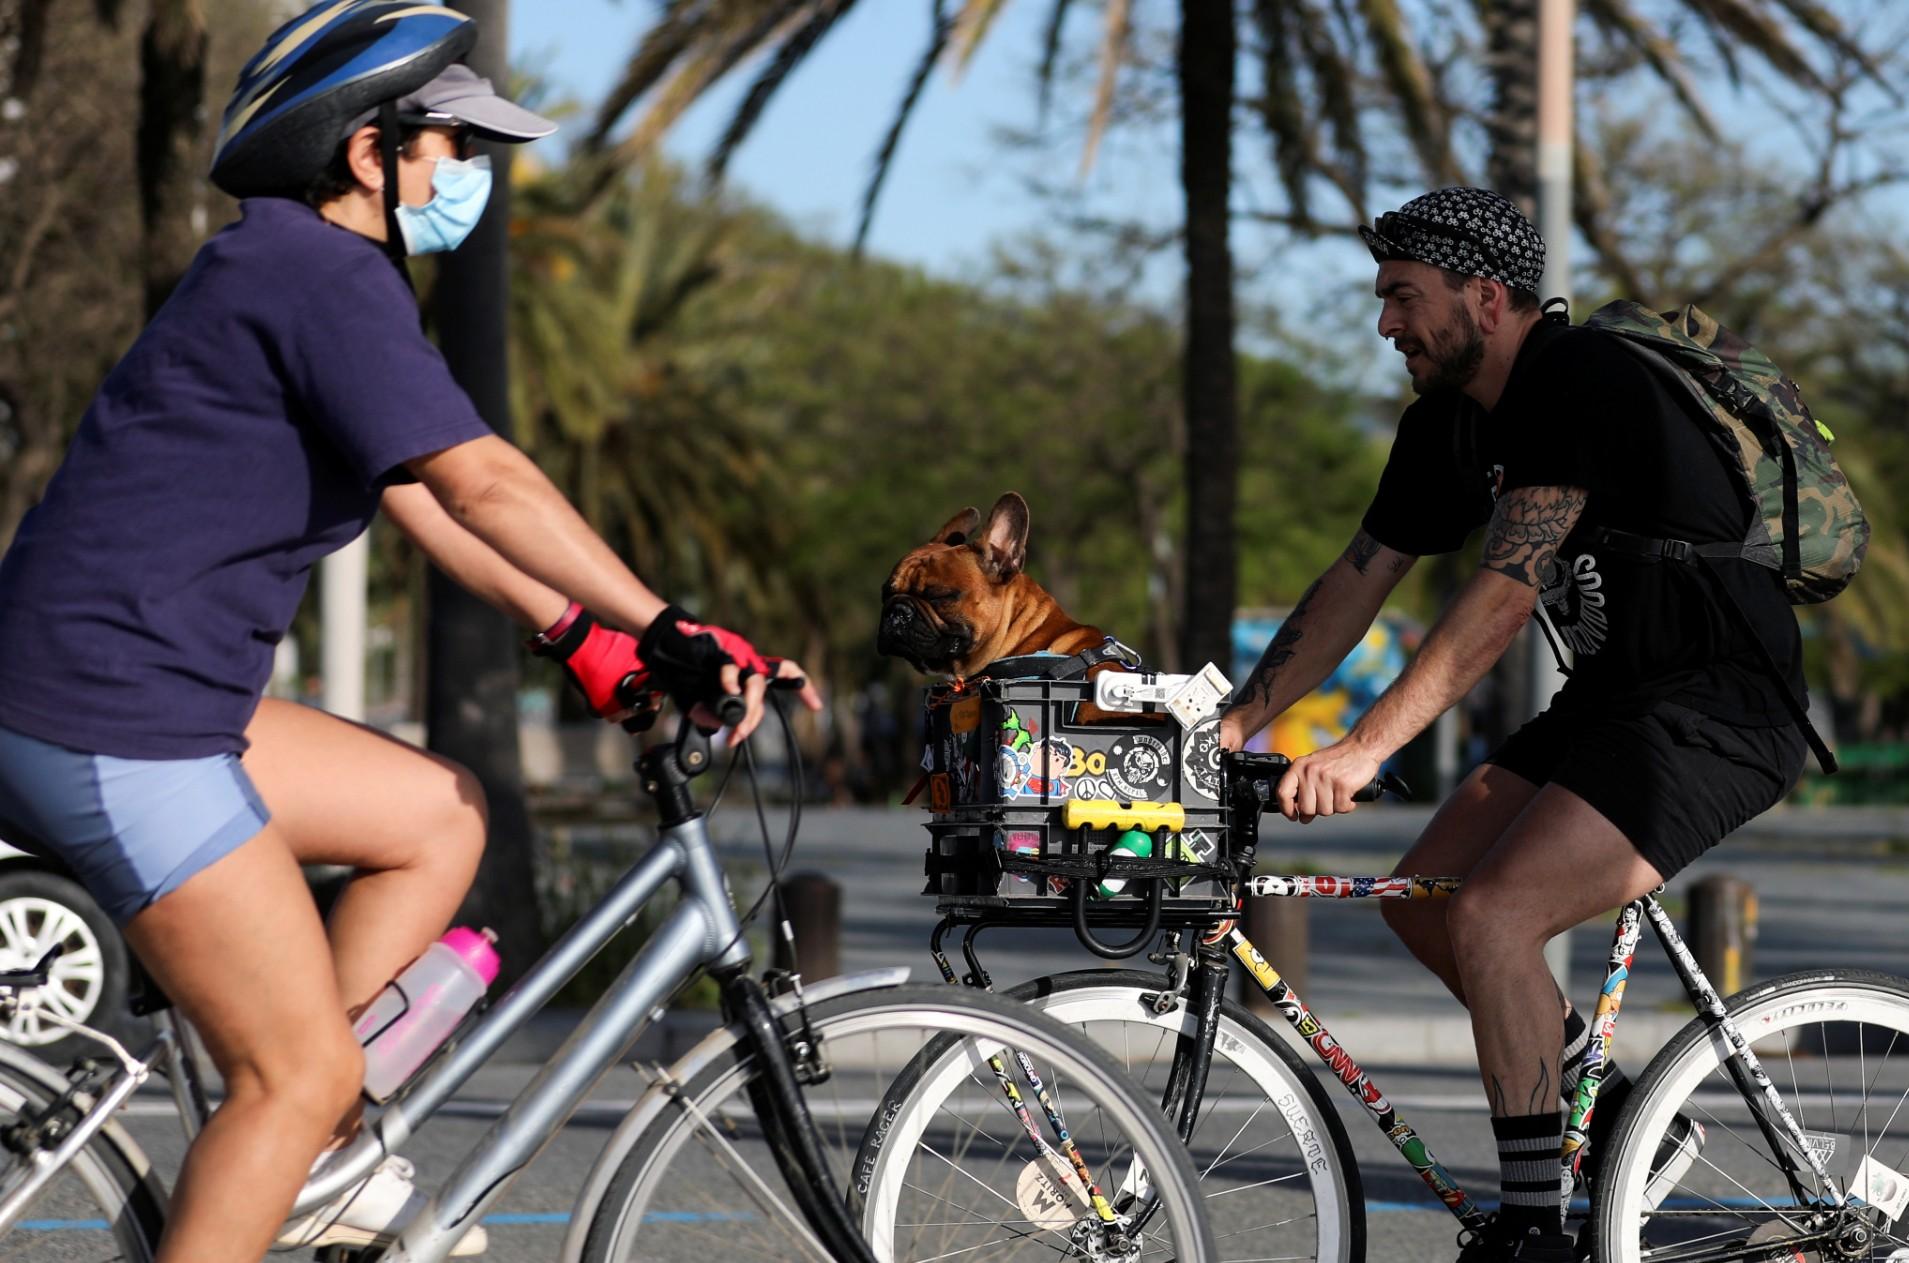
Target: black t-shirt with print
[[1580, 410]]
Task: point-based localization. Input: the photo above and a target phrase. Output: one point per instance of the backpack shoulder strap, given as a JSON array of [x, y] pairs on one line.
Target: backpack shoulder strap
[[1703, 556]]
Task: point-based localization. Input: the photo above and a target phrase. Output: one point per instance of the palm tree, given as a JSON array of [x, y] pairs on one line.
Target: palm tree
[[172, 114], [630, 410], [694, 46], [1322, 65]]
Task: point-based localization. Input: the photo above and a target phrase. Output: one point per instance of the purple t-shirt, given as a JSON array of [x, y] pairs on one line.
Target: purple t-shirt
[[247, 433]]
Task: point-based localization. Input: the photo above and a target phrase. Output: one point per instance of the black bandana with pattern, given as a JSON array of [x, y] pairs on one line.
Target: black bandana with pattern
[[1473, 232]]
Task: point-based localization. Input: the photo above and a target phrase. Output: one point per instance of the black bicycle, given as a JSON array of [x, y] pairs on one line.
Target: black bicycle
[[1772, 1127]]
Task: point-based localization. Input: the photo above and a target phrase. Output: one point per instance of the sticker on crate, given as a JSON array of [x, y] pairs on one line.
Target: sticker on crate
[[1203, 760], [1140, 767], [1019, 842]]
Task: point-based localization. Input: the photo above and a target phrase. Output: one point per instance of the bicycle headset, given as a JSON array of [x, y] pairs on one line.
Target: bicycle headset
[[320, 77]]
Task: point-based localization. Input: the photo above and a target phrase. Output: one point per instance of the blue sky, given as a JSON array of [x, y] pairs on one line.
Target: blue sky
[[946, 197], [951, 193]]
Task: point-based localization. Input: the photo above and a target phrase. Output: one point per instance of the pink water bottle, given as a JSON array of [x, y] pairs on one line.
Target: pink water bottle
[[422, 1006]]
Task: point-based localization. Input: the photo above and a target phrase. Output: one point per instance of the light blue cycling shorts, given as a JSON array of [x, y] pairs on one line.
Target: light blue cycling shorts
[[131, 830]]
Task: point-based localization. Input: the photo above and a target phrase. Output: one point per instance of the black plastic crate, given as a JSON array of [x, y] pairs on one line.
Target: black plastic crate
[[1005, 757]]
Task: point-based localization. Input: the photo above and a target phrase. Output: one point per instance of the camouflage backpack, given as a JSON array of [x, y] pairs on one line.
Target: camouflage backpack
[[1807, 524]]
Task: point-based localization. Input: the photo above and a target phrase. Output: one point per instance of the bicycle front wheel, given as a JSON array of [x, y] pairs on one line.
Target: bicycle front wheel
[[969, 1178], [1277, 1171], [104, 1205], [1692, 1176]]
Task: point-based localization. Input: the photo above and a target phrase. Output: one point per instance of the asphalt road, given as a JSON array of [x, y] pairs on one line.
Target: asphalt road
[[1832, 889]]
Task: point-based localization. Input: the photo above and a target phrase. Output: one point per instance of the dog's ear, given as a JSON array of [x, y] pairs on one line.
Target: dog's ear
[[1003, 542], [958, 529]]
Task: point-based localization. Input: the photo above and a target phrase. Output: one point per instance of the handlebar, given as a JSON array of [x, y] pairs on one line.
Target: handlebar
[[646, 703], [1251, 780], [1264, 770]]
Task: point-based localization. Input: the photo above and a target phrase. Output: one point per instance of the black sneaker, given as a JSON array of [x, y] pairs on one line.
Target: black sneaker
[[1493, 1246]]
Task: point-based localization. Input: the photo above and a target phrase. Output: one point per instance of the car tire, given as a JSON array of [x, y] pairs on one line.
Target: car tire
[[38, 909]]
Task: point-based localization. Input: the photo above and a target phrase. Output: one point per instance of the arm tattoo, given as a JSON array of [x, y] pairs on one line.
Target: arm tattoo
[[1364, 548], [1259, 687], [1361, 551], [1526, 529]]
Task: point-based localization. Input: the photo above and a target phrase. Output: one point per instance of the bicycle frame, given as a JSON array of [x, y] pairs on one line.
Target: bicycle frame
[[703, 931], [1783, 1135]]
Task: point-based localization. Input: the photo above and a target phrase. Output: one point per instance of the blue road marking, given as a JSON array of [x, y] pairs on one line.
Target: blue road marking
[[493, 1221]]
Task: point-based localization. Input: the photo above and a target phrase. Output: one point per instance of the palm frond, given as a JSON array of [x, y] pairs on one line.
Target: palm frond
[[1824, 25], [1333, 75], [1754, 29], [676, 29], [1113, 47], [1295, 153], [713, 50], [1411, 82], [1591, 211], [788, 55], [938, 36], [1618, 17], [970, 28], [1050, 51]]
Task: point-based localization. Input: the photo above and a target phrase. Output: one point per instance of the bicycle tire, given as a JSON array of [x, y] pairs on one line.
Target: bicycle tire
[[662, 1205], [1835, 1042], [105, 1205], [1320, 1150]]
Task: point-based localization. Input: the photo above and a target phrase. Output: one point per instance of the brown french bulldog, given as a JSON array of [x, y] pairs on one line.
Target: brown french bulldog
[[961, 600]]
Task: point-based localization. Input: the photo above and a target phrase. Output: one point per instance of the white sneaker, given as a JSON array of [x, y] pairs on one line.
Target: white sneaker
[[373, 1213]]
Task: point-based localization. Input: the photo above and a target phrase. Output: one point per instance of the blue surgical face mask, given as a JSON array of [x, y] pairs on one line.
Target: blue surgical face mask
[[459, 190]]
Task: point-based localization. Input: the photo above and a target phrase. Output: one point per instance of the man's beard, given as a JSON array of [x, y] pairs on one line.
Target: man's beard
[[1455, 354]]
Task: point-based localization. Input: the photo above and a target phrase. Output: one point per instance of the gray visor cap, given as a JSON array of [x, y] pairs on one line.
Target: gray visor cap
[[459, 95]]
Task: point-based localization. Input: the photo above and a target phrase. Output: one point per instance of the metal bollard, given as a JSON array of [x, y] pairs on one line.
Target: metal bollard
[[1721, 928], [813, 904], [1277, 927]]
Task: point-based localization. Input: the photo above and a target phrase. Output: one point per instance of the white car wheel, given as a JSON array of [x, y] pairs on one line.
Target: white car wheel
[[88, 984]]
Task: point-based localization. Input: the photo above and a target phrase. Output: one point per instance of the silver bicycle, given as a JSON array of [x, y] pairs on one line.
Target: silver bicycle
[[745, 1148]]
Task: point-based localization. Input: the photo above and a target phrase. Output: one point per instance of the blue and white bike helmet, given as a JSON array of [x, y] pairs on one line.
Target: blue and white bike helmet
[[331, 65]]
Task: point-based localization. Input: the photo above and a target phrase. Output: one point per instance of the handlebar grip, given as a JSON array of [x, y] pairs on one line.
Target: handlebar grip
[[1388, 783], [730, 709]]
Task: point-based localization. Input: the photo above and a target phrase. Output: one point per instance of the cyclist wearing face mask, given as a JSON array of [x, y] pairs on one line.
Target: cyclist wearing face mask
[[283, 395]]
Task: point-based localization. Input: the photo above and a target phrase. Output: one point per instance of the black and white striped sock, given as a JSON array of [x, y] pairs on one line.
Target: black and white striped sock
[[1528, 1147]]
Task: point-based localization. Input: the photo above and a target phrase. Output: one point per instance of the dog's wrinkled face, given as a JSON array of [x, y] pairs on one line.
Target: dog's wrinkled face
[[944, 597]]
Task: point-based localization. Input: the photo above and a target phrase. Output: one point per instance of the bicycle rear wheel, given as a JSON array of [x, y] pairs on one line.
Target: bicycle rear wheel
[[105, 1205], [701, 1182], [1835, 1043]]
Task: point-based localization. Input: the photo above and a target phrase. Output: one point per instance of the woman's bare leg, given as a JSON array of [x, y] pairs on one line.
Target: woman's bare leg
[[411, 823], [240, 950]]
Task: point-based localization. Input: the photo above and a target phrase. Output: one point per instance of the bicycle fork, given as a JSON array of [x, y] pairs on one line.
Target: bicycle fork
[[978, 977]]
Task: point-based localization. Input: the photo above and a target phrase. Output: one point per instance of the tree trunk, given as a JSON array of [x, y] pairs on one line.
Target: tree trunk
[[472, 651], [1511, 126], [1210, 387], [1511, 37], [171, 128]]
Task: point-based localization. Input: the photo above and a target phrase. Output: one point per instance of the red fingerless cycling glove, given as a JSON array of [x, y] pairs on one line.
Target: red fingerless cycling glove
[[685, 658], [597, 659]]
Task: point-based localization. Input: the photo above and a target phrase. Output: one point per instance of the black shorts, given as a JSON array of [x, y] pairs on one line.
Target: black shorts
[[1673, 780]]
